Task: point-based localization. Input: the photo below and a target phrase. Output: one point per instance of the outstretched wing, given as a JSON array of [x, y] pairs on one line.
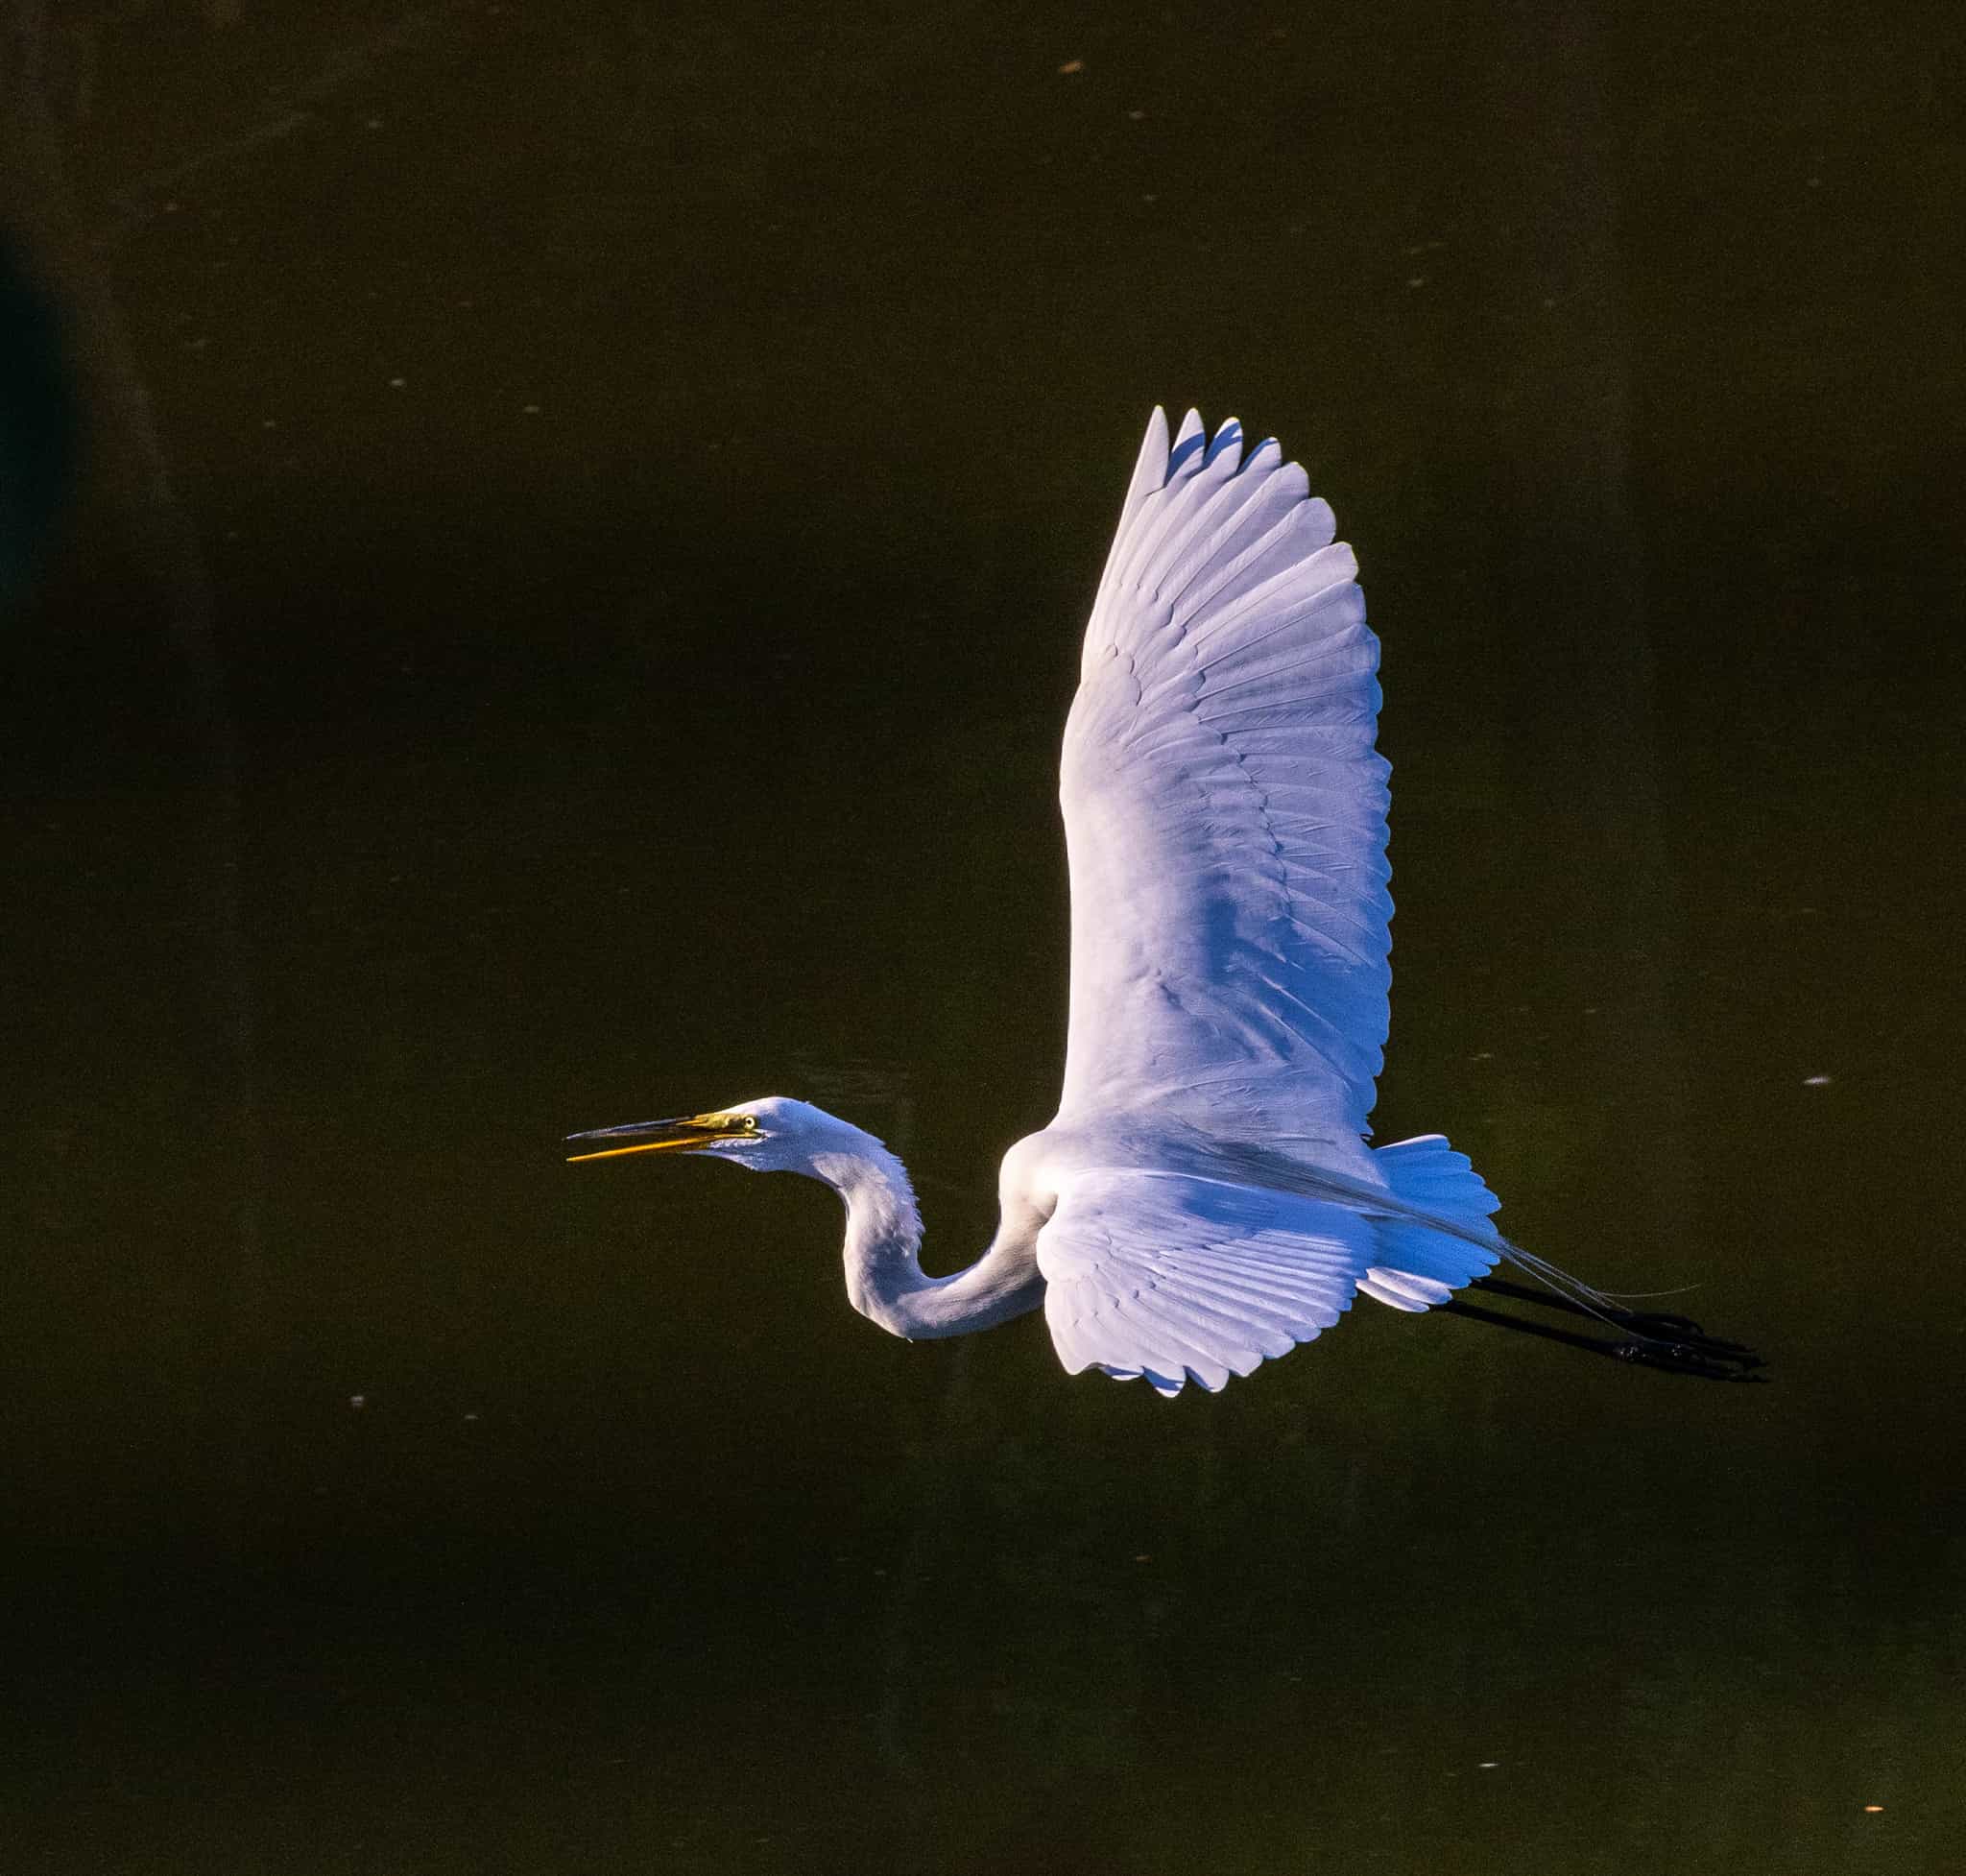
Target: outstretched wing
[[1225, 808], [1165, 1275]]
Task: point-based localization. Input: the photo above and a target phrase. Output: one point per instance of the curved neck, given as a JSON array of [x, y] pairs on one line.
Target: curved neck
[[885, 1281]]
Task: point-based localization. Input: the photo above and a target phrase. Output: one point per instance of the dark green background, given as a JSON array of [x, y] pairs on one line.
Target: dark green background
[[652, 700]]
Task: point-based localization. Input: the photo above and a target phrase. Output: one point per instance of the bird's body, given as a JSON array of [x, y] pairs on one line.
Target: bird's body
[[1205, 1198]]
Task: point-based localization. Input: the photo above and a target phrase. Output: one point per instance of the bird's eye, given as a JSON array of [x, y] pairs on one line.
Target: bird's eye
[[745, 1123]]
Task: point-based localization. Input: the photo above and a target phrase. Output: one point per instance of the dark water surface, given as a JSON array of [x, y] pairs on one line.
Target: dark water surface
[[568, 616]]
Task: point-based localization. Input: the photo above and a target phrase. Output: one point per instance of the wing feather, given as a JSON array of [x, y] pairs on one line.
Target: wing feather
[[1178, 1278], [1225, 807]]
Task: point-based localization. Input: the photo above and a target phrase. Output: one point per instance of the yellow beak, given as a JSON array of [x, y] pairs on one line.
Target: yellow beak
[[687, 1135]]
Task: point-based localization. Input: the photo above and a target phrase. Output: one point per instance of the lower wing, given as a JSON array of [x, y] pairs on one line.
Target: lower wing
[[1171, 1277]]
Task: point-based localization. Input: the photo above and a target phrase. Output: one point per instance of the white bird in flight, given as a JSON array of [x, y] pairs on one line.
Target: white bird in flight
[[1206, 1198]]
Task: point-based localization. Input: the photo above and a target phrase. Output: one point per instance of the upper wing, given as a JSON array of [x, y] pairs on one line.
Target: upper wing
[[1224, 806], [1169, 1276]]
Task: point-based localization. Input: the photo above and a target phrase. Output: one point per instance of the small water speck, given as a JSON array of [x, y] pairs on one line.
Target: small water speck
[[1815, 1081], [358, 1400], [397, 384]]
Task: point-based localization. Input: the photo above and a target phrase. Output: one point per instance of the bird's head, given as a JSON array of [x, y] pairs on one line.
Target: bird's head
[[770, 1135]]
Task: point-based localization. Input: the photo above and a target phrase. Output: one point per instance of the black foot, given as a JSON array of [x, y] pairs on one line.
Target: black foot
[[1646, 1338]]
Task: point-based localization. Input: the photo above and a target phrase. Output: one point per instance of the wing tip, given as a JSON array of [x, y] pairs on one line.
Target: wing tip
[[1191, 444], [1228, 442], [1150, 467]]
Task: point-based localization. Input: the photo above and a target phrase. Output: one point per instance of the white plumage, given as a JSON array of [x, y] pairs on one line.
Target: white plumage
[[1205, 1199], [1161, 1275], [1225, 809]]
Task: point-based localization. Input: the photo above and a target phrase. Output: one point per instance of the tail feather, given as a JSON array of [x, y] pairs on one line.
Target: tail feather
[[1418, 1267], [1421, 1266]]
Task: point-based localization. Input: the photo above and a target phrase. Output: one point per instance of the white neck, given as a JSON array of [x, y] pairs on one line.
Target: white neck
[[885, 1281]]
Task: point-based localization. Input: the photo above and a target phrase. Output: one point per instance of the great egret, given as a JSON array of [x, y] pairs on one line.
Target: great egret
[[1205, 1198]]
